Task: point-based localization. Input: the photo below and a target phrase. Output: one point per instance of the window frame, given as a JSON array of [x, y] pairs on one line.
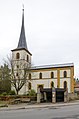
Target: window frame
[[65, 84], [52, 74], [51, 84], [40, 75], [29, 75], [65, 74], [27, 58], [29, 86], [17, 55]]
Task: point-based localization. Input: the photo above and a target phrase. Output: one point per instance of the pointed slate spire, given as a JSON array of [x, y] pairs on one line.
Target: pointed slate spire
[[22, 45], [22, 40]]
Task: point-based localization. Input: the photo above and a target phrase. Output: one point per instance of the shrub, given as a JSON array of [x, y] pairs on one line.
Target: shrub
[[5, 86], [12, 92], [31, 93], [4, 94]]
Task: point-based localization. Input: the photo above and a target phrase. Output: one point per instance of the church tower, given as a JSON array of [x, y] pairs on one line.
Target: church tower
[[21, 60], [21, 56]]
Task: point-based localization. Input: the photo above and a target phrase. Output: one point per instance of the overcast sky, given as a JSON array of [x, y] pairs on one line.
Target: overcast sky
[[51, 27]]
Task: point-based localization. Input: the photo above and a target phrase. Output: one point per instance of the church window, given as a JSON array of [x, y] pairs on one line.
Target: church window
[[65, 74], [30, 76], [29, 86], [27, 58], [17, 56], [65, 85], [41, 86], [52, 74], [40, 75], [16, 74], [52, 84]]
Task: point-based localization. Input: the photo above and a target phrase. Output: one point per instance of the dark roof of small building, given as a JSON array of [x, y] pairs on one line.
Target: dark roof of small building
[[56, 89]]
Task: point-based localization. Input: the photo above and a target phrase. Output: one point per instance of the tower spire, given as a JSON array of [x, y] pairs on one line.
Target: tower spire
[[22, 40]]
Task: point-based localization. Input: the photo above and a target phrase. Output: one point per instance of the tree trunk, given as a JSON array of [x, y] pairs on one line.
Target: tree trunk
[[17, 92]]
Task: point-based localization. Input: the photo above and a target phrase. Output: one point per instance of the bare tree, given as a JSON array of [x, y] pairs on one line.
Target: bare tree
[[20, 74], [20, 78]]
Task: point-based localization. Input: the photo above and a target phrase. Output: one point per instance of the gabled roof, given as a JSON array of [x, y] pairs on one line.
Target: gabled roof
[[52, 66]]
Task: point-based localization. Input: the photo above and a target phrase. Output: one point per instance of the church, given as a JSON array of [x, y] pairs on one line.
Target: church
[[45, 76]]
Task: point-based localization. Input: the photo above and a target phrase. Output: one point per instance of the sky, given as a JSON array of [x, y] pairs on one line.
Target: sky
[[51, 28]]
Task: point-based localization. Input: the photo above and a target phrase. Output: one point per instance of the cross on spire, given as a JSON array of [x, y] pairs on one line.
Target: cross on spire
[[23, 7]]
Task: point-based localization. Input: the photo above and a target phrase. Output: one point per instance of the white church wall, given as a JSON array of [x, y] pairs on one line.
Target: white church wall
[[23, 55], [24, 89], [45, 82], [45, 74]]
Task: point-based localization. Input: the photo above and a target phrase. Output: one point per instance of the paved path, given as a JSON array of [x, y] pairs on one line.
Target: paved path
[[58, 111], [41, 105]]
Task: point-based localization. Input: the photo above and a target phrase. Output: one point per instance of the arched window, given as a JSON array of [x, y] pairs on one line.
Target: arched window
[[17, 74], [30, 76], [52, 75], [65, 85], [29, 86], [17, 56], [40, 75], [52, 84], [27, 58], [65, 74], [41, 86]]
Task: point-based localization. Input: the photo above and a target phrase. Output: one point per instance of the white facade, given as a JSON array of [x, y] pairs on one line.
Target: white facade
[[46, 78], [58, 78]]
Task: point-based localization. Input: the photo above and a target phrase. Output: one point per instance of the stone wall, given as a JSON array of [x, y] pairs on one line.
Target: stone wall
[[72, 96]]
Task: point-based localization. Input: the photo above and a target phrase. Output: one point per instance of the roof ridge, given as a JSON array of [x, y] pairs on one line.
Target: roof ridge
[[53, 65]]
